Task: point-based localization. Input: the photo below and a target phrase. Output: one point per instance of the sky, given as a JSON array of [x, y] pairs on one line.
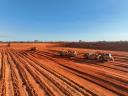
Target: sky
[[63, 20]]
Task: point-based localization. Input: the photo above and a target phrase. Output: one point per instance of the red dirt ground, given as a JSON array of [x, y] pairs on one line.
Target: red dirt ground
[[43, 73]]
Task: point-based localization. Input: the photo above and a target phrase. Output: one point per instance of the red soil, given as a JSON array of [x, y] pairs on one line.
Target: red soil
[[43, 73]]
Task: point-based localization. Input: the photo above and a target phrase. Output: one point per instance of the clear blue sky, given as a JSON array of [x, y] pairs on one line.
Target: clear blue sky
[[89, 20]]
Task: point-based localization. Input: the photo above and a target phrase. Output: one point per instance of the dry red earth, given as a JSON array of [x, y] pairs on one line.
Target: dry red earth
[[43, 73]]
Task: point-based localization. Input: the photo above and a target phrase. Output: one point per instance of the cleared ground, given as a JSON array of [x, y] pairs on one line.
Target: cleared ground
[[43, 73]]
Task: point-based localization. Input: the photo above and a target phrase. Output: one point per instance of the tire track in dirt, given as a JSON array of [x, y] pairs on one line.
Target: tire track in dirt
[[43, 84], [96, 76], [0, 65], [29, 89], [60, 84], [41, 73], [122, 60], [8, 80], [99, 66], [54, 72], [104, 65], [39, 90], [116, 86], [16, 79], [3, 84]]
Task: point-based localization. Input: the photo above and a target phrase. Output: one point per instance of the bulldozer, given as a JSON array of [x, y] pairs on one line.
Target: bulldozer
[[33, 49], [8, 44], [102, 57], [68, 53]]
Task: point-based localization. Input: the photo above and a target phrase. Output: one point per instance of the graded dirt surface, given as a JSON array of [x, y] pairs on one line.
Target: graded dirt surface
[[44, 73]]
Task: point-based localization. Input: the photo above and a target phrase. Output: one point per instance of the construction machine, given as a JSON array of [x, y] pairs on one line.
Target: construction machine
[[99, 56], [68, 53], [33, 49]]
